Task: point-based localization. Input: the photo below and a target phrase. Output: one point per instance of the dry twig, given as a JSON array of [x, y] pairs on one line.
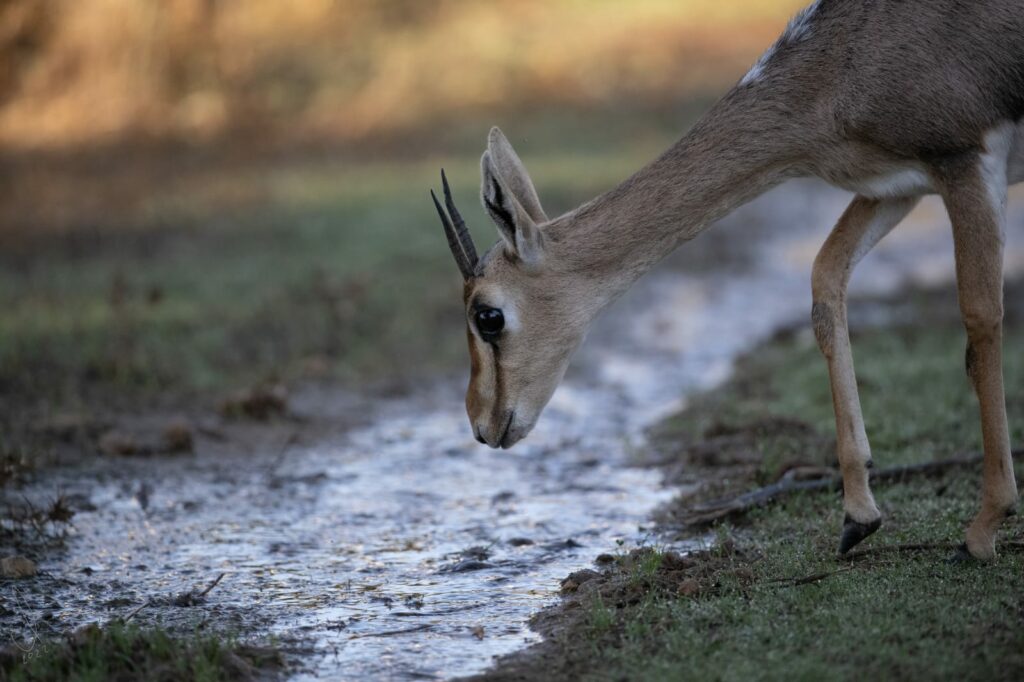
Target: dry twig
[[1008, 545], [715, 510], [807, 579], [216, 581]]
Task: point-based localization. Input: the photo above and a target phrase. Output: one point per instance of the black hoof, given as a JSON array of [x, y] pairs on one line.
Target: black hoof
[[961, 556], [854, 532]]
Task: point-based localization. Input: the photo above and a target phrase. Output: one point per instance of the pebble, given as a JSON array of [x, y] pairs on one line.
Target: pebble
[[573, 582], [520, 542], [17, 567], [467, 565], [689, 588]]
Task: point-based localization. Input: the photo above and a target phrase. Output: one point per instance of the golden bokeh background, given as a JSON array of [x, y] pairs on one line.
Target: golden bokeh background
[[80, 72]]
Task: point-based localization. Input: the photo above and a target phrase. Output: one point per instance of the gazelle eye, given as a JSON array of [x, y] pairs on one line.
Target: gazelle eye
[[489, 322]]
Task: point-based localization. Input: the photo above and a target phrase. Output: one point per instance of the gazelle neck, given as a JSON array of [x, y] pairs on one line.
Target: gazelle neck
[[741, 148]]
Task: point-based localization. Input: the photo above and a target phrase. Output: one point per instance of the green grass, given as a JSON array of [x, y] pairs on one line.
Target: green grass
[[126, 652], [740, 612], [916, 400], [905, 615]]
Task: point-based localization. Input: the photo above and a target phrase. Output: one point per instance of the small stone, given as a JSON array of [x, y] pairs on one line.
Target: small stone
[[177, 437], [86, 634], [467, 565], [236, 666], [17, 567], [689, 588], [116, 442], [562, 545], [118, 602], [744, 575], [503, 497], [478, 553], [478, 631], [260, 402], [604, 559], [577, 578]]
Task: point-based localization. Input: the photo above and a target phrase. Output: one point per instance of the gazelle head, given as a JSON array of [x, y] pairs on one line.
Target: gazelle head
[[522, 323]]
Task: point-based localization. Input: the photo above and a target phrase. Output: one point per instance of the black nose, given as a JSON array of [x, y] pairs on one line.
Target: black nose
[[479, 438]]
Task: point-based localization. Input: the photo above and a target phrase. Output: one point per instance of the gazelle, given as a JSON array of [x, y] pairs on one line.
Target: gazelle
[[891, 100]]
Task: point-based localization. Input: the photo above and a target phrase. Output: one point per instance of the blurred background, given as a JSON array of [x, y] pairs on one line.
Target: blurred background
[[197, 195]]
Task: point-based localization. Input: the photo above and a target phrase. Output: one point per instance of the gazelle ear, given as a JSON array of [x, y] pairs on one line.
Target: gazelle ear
[[513, 173], [520, 232]]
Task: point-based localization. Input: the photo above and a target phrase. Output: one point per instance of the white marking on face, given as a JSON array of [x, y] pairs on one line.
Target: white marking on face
[[496, 298], [511, 318]]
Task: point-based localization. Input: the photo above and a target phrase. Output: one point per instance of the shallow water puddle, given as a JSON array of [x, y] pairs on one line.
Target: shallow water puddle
[[407, 550]]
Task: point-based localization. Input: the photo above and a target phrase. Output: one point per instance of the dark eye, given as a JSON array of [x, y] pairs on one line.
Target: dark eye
[[489, 322]]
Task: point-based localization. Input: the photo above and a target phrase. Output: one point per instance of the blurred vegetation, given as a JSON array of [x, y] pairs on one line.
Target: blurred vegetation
[[82, 71], [322, 269], [780, 397], [197, 195]]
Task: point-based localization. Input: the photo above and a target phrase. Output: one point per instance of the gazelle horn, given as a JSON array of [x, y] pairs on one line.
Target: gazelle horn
[[459, 240]]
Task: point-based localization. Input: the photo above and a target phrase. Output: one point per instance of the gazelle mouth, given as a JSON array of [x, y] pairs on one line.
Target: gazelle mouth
[[503, 439]]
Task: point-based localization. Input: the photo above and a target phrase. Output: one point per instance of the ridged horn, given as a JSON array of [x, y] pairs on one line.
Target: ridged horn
[[459, 240]]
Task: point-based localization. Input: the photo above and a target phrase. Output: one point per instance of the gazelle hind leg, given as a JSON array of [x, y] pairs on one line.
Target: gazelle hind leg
[[974, 191], [861, 226]]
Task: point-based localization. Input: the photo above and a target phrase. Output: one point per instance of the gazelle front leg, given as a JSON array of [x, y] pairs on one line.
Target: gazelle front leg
[[863, 224], [975, 197]]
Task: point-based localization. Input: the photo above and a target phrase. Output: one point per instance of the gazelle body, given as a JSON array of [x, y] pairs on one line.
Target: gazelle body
[[889, 99]]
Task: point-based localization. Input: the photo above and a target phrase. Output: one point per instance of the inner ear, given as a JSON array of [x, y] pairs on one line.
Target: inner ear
[[513, 173], [520, 233], [496, 203]]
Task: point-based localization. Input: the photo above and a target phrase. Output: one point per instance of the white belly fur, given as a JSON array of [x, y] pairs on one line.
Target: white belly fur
[[901, 182], [912, 180]]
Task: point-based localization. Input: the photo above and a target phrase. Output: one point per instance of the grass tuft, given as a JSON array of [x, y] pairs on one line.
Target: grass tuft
[[126, 652]]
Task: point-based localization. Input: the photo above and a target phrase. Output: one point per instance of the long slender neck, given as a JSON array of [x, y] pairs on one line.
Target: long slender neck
[[741, 148]]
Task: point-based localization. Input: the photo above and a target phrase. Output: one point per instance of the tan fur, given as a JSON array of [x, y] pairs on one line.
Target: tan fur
[[889, 99], [863, 224], [977, 217]]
